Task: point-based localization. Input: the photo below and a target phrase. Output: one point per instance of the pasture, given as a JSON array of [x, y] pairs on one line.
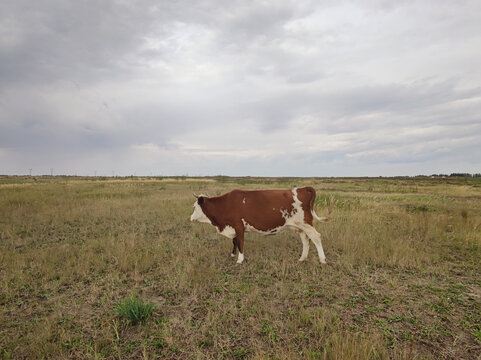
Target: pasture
[[403, 279]]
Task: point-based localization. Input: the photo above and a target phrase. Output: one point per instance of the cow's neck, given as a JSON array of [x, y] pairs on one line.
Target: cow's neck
[[211, 210]]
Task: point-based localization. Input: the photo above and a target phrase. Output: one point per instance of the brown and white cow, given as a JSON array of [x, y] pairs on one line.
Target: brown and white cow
[[264, 211]]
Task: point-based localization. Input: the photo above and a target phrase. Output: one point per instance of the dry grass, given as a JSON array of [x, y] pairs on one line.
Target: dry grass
[[404, 272]]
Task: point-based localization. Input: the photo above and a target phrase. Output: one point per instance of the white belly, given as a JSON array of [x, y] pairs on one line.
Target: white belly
[[249, 227]]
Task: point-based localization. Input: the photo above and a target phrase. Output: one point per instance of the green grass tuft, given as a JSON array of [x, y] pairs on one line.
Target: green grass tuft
[[134, 310]]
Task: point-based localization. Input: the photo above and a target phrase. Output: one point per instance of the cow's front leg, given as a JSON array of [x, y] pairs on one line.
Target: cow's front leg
[[234, 250], [240, 244]]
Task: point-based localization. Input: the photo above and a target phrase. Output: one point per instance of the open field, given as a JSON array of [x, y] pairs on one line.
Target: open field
[[403, 279]]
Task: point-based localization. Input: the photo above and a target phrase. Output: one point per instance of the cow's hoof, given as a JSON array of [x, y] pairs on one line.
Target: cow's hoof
[[323, 262], [232, 255], [240, 259], [302, 259]]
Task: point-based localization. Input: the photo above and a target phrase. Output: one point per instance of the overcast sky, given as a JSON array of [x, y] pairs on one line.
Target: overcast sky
[[261, 88]]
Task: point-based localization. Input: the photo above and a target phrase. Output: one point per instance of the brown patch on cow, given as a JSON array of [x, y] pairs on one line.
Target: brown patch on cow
[[307, 197], [214, 209], [256, 208]]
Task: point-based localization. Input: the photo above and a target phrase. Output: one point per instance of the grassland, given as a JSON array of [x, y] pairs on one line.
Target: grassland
[[403, 279]]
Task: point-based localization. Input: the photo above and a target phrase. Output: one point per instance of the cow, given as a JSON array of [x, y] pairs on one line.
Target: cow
[[263, 211]]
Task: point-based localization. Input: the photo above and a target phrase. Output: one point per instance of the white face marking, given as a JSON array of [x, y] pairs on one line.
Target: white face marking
[[228, 231], [244, 201], [240, 259], [198, 215]]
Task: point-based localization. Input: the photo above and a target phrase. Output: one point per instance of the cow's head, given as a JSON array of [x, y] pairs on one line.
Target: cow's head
[[198, 214]]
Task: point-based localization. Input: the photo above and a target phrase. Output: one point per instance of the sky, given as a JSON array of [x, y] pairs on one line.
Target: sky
[[240, 88]]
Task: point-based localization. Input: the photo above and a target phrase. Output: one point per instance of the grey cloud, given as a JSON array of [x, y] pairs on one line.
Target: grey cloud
[[247, 25], [80, 40], [397, 98], [303, 77], [339, 111], [390, 81]]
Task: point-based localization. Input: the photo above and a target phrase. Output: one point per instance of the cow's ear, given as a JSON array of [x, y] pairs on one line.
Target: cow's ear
[[200, 200]]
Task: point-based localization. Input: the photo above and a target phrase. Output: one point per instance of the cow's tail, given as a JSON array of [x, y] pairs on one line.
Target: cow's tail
[[314, 215], [313, 199]]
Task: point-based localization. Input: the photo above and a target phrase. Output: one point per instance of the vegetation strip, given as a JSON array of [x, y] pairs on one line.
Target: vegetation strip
[[82, 261]]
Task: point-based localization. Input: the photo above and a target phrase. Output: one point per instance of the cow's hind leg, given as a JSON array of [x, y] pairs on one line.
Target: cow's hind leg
[[315, 237], [305, 246], [234, 250]]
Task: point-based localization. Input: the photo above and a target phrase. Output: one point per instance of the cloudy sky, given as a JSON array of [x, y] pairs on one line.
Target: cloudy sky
[[261, 88]]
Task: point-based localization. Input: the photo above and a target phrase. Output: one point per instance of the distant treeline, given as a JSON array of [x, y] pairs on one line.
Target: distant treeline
[[458, 175]]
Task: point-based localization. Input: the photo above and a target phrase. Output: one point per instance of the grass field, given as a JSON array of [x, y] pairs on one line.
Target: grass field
[[403, 279]]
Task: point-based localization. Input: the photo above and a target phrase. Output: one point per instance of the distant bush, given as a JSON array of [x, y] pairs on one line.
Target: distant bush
[[463, 175], [418, 208], [476, 175], [221, 178], [134, 310]]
